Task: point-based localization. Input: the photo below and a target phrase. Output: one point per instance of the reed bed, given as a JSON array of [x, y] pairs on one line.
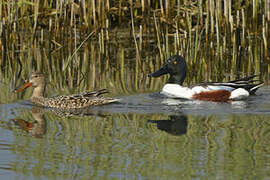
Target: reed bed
[[114, 44]]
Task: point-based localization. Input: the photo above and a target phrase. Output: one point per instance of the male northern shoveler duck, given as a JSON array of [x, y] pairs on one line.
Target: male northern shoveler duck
[[214, 91], [37, 80]]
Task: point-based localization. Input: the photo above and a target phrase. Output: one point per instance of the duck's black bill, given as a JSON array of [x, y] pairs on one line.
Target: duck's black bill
[[160, 72]]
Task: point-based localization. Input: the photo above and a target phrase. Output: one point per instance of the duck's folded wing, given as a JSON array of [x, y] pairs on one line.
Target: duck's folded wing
[[247, 83], [95, 93]]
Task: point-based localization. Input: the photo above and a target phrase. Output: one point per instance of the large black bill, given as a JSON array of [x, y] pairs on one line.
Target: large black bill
[[160, 72]]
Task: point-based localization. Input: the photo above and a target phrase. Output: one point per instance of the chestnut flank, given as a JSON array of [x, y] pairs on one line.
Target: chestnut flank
[[215, 95]]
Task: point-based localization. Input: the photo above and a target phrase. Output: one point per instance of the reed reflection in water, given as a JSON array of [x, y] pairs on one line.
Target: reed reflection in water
[[128, 145]]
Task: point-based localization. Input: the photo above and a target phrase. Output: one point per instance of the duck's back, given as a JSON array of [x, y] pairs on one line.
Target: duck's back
[[73, 101]]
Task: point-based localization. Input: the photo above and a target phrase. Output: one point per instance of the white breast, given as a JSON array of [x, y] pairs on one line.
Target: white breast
[[177, 91]]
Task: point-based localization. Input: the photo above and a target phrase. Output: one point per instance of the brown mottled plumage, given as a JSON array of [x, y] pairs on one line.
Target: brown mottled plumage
[[37, 80]]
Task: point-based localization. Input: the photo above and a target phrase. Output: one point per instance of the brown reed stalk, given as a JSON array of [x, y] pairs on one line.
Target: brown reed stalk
[[162, 8], [158, 38], [36, 12], [94, 12], [133, 32], [264, 36]]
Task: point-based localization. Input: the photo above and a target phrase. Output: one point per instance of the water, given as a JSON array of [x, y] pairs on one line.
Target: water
[[145, 136]]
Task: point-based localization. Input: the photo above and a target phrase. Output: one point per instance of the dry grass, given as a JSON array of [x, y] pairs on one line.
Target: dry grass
[[88, 44]]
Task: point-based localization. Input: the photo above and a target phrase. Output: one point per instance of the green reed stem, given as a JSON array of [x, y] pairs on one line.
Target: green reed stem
[[66, 64]]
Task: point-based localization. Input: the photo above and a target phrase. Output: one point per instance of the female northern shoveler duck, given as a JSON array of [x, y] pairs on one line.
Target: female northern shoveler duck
[[215, 91], [37, 80]]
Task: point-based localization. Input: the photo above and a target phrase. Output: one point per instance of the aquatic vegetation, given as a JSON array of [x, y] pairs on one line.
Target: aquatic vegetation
[[114, 44]]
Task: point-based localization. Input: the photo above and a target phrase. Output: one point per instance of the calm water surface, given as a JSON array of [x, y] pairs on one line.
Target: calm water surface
[[146, 136]]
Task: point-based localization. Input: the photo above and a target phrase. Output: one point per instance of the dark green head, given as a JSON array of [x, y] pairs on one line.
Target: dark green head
[[176, 66]]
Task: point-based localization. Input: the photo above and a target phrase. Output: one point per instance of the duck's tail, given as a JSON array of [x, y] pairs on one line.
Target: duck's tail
[[246, 83], [255, 88]]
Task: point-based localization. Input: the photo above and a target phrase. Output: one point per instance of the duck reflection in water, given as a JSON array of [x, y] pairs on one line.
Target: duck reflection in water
[[37, 128], [176, 125]]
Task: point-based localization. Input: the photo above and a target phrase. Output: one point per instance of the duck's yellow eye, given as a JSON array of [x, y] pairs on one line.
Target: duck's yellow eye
[[175, 62]]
